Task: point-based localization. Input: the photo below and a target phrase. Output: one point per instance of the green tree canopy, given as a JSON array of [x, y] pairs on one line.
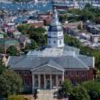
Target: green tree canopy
[[33, 45], [87, 13], [71, 41], [96, 54], [10, 83], [93, 89], [23, 28], [63, 17], [2, 67], [91, 52], [12, 51], [67, 87], [79, 93], [37, 34]]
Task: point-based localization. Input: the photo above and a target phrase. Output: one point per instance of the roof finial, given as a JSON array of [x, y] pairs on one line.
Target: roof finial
[[55, 16]]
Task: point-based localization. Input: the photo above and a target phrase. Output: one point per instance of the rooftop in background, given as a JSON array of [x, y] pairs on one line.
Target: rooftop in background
[[8, 41]]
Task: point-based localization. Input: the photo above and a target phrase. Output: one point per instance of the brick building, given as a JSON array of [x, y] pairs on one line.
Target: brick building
[[48, 67]]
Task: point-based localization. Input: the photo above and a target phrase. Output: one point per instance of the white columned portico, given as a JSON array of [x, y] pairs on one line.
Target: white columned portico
[[47, 80], [39, 81]]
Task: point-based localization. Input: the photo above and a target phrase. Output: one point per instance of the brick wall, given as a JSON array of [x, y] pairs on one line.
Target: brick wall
[[76, 76], [79, 76], [26, 76]]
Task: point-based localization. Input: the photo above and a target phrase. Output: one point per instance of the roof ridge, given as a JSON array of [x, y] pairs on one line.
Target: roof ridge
[[81, 61], [19, 60], [53, 62]]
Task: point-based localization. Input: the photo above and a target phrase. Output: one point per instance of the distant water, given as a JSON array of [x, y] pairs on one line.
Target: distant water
[[21, 6], [40, 6]]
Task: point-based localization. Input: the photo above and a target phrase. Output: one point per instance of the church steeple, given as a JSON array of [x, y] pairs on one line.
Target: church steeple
[[55, 32]]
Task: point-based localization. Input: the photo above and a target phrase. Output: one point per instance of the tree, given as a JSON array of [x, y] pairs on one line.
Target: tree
[[86, 51], [33, 45], [63, 18], [67, 87], [16, 97], [24, 28], [96, 54], [79, 93], [2, 67], [88, 6], [93, 89], [12, 51], [37, 34], [98, 79], [65, 90], [10, 83], [71, 41]]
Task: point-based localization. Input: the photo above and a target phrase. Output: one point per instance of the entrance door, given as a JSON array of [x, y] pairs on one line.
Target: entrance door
[[36, 83], [48, 84]]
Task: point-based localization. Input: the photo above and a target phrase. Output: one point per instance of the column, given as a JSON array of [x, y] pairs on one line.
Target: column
[[39, 81], [50, 81], [33, 82], [57, 81], [63, 77], [45, 81]]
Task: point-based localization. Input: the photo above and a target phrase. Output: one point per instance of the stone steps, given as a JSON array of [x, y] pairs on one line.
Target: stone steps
[[46, 95]]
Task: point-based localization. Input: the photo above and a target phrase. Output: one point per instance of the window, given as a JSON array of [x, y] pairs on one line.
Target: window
[[29, 72], [25, 81], [36, 83], [60, 41], [66, 73], [59, 76], [83, 73], [25, 72], [36, 76], [72, 73], [60, 82], [54, 41], [77, 73]]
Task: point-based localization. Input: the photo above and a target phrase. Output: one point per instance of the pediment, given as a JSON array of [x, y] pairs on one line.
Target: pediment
[[47, 68]]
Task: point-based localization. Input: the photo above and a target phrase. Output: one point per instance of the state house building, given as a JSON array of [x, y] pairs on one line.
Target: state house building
[[48, 67]]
